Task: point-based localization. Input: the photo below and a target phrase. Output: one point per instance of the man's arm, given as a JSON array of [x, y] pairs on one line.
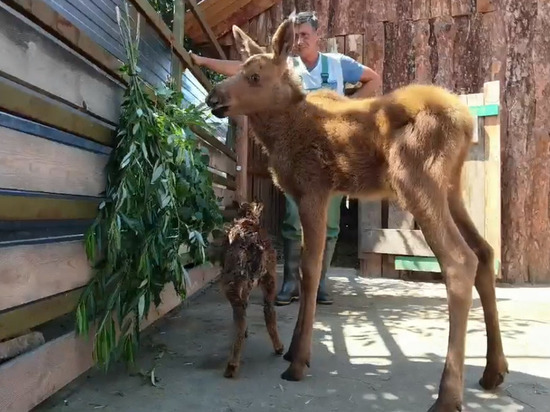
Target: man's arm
[[225, 67], [354, 72]]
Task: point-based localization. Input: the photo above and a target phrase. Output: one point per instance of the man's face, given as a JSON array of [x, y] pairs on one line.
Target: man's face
[[306, 42]]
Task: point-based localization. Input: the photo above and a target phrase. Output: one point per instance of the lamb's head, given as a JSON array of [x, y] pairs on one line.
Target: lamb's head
[[264, 81]]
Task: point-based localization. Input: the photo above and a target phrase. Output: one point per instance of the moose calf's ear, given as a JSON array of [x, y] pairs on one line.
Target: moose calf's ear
[[283, 40], [245, 45]]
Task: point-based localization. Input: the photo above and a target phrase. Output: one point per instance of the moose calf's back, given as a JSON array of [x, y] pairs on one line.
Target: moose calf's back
[[360, 134]]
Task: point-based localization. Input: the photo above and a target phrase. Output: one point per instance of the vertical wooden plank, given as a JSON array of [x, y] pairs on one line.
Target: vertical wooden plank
[[397, 219], [491, 95], [421, 9], [444, 32], [473, 174], [423, 52], [242, 157], [463, 7], [354, 47], [179, 13], [370, 217], [441, 8]]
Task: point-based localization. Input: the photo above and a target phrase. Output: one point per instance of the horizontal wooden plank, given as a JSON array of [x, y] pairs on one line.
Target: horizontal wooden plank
[[417, 263], [212, 141], [31, 378], [394, 242], [50, 133], [26, 206], [54, 23], [33, 272], [16, 232], [228, 195], [13, 322], [221, 162], [32, 163], [36, 58], [425, 264], [223, 181], [24, 102]]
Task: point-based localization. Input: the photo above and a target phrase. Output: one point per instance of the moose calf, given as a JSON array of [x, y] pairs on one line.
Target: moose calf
[[248, 260]]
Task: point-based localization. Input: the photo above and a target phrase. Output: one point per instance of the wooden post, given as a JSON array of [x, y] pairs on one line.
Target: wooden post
[[178, 29], [491, 128], [241, 136]]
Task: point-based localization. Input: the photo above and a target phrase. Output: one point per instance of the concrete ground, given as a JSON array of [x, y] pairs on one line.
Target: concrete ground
[[380, 347]]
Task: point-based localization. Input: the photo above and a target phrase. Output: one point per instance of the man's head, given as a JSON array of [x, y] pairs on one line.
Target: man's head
[[306, 43]]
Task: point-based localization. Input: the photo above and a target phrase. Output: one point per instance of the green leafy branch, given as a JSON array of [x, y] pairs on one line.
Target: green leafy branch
[[159, 201]]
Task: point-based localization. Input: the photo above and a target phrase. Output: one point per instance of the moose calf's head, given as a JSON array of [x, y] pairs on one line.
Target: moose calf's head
[[263, 82]]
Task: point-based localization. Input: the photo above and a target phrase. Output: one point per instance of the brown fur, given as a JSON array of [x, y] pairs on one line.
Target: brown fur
[[249, 259], [408, 145]]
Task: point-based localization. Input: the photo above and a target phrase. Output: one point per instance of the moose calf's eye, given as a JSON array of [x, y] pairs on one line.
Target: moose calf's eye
[[254, 78]]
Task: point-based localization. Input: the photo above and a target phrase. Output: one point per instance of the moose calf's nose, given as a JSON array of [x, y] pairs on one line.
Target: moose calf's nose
[[212, 99]]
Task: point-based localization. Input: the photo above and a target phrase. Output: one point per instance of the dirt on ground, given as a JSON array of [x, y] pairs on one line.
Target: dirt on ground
[[380, 347]]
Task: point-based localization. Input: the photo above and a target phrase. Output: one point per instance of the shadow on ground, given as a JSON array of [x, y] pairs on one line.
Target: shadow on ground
[[380, 347]]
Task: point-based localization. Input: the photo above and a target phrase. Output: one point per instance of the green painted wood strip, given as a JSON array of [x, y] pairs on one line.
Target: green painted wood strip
[[486, 110], [424, 264]]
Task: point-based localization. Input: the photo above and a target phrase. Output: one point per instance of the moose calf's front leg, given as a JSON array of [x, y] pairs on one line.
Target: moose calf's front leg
[[313, 216]]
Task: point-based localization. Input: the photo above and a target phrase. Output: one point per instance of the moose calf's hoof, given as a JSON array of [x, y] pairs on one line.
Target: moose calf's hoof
[[289, 358], [294, 373], [493, 377], [279, 351], [443, 406], [230, 371]]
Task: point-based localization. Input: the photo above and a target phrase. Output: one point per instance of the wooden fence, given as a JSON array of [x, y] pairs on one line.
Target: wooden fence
[[390, 242], [60, 96]]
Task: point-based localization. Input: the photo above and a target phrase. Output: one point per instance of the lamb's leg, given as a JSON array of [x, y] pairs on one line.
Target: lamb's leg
[[240, 327], [268, 282], [313, 216]]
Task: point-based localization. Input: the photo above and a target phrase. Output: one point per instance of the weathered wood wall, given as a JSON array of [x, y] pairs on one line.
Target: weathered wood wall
[[461, 44], [60, 96]]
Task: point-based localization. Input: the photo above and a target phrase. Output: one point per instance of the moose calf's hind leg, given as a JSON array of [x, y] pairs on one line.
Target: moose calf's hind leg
[[313, 216], [239, 322], [428, 204], [497, 366]]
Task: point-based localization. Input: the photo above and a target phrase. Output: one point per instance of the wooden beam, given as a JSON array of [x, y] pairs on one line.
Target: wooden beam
[[33, 272], [155, 20], [197, 12], [212, 141], [221, 15], [33, 163], [27, 206], [24, 102], [26, 317], [179, 11], [58, 26], [31, 378]]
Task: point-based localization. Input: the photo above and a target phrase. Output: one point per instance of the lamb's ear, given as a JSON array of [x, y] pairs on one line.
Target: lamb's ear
[[283, 40], [245, 45]]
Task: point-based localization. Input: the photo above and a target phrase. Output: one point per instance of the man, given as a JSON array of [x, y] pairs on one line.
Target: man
[[316, 70]]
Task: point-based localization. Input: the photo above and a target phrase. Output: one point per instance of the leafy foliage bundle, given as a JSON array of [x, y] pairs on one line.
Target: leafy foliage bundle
[[158, 199]]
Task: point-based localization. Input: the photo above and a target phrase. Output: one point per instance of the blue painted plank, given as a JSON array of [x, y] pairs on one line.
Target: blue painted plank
[[28, 193], [36, 129], [32, 232]]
